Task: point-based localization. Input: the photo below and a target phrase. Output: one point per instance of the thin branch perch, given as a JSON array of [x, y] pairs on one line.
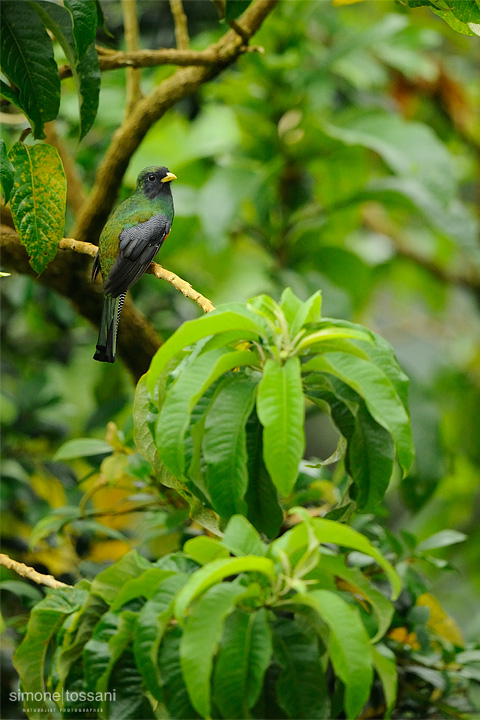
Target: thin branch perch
[[181, 27], [30, 573], [130, 23]]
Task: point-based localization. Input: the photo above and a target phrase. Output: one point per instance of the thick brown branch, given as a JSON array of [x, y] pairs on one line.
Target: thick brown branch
[[30, 573], [128, 137], [181, 27]]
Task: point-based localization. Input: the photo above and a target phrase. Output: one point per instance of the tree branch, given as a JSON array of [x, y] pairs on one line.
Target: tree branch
[[128, 137], [30, 573], [130, 24], [181, 27]]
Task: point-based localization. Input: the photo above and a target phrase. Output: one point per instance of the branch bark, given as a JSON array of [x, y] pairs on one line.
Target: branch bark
[[130, 23], [181, 27], [128, 137], [30, 573]]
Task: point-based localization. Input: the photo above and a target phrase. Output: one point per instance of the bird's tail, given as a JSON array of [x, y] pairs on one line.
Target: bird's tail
[[107, 335]]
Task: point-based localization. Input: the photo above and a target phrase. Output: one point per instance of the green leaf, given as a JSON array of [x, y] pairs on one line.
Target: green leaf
[[109, 582], [224, 447], [28, 62], [217, 321], [380, 396], [294, 541], [201, 636], [242, 661], [381, 606], [280, 408], [6, 171], [29, 658], [109, 640], [175, 693], [130, 702], [9, 93], [22, 590], [241, 538], [204, 549], [84, 16], [214, 573], [85, 68], [349, 649], [182, 397], [152, 623], [264, 511], [308, 312], [82, 447], [145, 585], [301, 686], [444, 538], [38, 200], [386, 669]]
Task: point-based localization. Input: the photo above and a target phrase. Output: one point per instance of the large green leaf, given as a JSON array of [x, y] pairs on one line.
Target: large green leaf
[[225, 447], [386, 669], [241, 538], [84, 16], [152, 622], [380, 396], [175, 693], [215, 572], [349, 649], [242, 661], [38, 200], [201, 636], [29, 658], [82, 447], [280, 408], [264, 511], [215, 322], [181, 398], [107, 655], [143, 586], [295, 541], [28, 62], [204, 549], [109, 582], [85, 68], [301, 686], [6, 171]]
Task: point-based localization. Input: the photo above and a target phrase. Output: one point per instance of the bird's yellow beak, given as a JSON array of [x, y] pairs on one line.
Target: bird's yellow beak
[[169, 177]]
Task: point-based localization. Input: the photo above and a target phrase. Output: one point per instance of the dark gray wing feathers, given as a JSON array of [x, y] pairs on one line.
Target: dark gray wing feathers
[[138, 246]]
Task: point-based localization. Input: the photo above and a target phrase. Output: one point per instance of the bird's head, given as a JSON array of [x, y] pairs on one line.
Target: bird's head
[[155, 181]]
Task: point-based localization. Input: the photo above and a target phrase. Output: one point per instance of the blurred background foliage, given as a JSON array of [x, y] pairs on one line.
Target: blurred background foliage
[[345, 158]]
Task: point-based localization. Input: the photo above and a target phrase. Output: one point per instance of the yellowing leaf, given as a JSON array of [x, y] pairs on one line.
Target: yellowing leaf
[[38, 200], [108, 551], [439, 621], [337, 3], [49, 489], [401, 635]]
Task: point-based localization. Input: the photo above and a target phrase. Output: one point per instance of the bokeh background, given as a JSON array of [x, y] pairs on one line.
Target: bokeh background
[[344, 158]]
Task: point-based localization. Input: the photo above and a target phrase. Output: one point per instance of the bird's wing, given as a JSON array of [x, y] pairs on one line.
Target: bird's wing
[[137, 247]]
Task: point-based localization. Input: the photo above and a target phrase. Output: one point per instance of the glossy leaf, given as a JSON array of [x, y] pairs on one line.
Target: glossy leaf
[[38, 206], [224, 447], [84, 65], [280, 408], [349, 646], [181, 398], [215, 322], [152, 623], [28, 62], [84, 15], [386, 669], [380, 396], [108, 583], [215, 572], [204, 549], [242, 661], [301, 686], [201, 636], [241, 538], [175, 692], [444, 538]]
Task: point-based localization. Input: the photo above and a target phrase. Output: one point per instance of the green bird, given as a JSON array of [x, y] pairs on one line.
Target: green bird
[[133, 235]]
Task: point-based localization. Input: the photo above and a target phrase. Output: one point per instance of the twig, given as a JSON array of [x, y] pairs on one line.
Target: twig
[[130, 24], [181, 27], [128, 137], [155, 269], [31, 574]]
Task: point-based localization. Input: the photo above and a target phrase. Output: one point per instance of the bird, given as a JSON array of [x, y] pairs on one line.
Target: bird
[[131, 238]]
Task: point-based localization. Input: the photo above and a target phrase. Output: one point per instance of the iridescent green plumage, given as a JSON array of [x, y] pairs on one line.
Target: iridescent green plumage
[[129, 241]]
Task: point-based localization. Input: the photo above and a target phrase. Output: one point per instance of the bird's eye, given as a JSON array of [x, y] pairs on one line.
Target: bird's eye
[[152, 177]]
